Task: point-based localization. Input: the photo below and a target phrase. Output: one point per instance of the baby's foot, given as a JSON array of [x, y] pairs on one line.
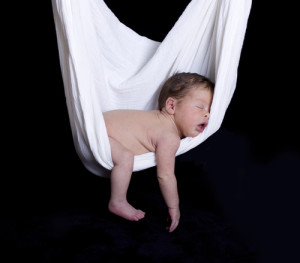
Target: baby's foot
[[125, 210]]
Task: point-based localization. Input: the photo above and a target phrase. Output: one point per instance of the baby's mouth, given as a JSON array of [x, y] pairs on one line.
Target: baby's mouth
[[201, 127]]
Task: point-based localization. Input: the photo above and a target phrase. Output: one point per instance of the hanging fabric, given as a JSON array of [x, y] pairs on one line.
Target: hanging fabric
[[105, 65]]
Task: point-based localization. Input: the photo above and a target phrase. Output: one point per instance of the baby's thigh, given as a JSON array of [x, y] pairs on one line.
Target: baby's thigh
[[119, 153]]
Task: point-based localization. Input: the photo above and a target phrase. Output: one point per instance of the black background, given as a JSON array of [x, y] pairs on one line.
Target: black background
[[252, 162]]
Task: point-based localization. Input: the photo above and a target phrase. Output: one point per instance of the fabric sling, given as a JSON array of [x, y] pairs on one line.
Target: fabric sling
[[106, 65]]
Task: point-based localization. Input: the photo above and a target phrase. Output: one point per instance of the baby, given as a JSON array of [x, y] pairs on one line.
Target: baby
[[184, 106]]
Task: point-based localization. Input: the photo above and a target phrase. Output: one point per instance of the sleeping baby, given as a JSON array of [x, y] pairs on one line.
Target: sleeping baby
[[184, 107]]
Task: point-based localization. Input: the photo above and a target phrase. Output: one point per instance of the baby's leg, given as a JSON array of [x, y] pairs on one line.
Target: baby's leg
[[120, 179]]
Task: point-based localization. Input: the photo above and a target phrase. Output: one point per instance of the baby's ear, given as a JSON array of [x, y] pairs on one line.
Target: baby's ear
[[170, 105]]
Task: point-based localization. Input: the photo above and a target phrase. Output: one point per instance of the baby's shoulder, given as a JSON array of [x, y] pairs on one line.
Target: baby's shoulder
[[166, 137], [167, 143]]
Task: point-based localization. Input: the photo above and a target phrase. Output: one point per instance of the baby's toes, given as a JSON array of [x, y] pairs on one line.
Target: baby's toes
[[140, 214]]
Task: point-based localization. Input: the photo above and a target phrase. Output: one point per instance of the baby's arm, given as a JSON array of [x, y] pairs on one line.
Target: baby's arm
[[166, 149]]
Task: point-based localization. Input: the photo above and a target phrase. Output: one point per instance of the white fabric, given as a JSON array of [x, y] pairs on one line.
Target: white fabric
[[106, 65]]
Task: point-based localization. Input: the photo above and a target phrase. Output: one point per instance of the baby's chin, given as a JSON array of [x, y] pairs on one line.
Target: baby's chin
[[194, 134]]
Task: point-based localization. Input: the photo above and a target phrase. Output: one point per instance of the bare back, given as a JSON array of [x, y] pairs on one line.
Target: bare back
[[138, 131]]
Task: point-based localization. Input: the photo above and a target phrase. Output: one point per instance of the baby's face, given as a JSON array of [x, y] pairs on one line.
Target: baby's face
[[192, 112]]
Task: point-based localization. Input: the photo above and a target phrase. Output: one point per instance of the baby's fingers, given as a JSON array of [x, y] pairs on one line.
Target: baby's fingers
[[174, 215], [173, 225]]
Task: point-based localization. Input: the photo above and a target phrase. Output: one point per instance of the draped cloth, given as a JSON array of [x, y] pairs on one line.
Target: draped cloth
[[106, 65]]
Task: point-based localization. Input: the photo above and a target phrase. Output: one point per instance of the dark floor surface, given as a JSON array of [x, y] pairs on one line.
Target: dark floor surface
[[233, 209]]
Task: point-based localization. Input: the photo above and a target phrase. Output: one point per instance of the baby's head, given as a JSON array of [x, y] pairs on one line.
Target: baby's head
[[178, 85], [188, 97]]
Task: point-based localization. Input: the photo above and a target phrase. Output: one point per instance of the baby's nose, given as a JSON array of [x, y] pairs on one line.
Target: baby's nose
[[206, 115]]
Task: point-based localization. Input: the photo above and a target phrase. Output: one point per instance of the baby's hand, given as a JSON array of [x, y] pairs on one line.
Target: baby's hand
[[174, 216]]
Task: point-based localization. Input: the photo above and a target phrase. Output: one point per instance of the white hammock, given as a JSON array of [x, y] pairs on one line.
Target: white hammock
[[105, 65]]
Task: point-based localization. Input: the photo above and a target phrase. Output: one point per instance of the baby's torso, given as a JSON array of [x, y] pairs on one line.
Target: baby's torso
[[136, 130]]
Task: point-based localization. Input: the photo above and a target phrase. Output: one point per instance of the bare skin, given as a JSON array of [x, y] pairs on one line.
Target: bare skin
[[120, 178], [133, 132]]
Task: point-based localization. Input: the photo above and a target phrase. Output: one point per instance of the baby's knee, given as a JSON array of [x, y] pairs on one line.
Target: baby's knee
[[123, 158], [120, 154]]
